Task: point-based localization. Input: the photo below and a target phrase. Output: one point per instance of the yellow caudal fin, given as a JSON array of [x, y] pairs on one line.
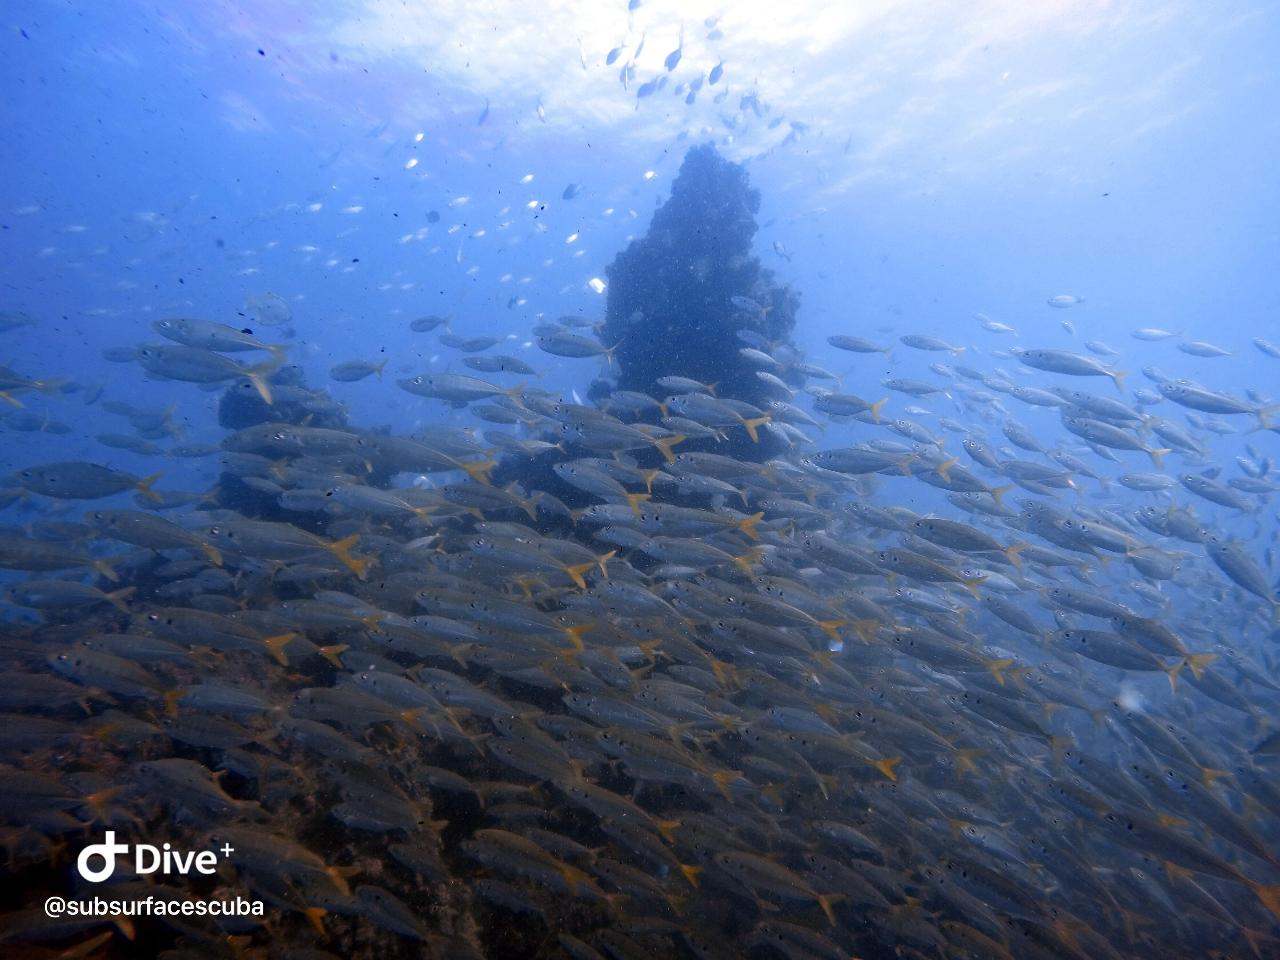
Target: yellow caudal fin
[[635, 499], [144, 485], [516, 395], [1264, 415], [748, 525], [753, 422], [964, 761], [575, 633], [943, 469], [997, 493], [1013, 553], [666, 444], [275, 646], [380, 367], [1157, 456], [575, 573], [831, 627], [876, 407], [667, 829], [212, 553], [746, 561], [888, 766], [1269, 894], [1198, 661], [972, 583], [997, 668], [10, 399], [1172, 673], [1117, 377], [342, 550], [117, 598], [691, 873], [602, 561], [258, 374], [478, 470], [106, 570], [826, 901], [333, 653]]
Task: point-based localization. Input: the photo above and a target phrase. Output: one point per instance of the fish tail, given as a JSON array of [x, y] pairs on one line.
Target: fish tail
[[997, 668], [964, 760], [212, 553], [751, 424], [575, 635], [1117, 377], [479, 472], [340, 876], [832, 627], [635, 499], [866, 629], [826, 900], [1264, 415], [333, 652], [1172, 673], [342, 550], [171, 698], [380, 367], [1013, 553], [1269, 894], [602, 561], [258, 374], [888, 766], [667, 829], [143, 487], [748, 525], [275, 646], [663, 407], [1157, 456], [10, 398], [666, 444], [691, 873], [105, 569], [117, 598], [944, 468], [972, 583], [1198, 661], [746, 561], [516, 395], [997, 493], [876, 407], [576, 571], [711, 387]]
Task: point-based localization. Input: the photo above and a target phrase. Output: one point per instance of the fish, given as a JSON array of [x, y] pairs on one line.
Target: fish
[[1064, 300], [1073, 364], [352, 370]]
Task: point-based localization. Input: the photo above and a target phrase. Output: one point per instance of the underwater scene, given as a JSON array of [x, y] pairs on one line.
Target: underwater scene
[[639, 480]]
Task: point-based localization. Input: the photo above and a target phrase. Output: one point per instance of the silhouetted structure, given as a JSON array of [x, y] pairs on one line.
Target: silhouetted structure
[[680, 295]]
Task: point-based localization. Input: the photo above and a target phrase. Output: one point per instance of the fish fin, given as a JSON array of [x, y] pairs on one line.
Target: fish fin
[[479, 472], [212, 553], [117, 598], [258, 373], [332, 653], [745, 561], [635, 499], [1158, 454], [666, 444], [831, 627], [964, 761], [1198, 661], [143, 487], [515, 394], [575, 635], [105, 569], [752, 422], [997, 493], [576, 571], [826, 900], [275, 646], [997, 668], [380, 367], [888, 766], [342, 550], [711, 387], [1172, 673], [876, 407], [972, 583], [666, 828], [602, 561], [10, 399], [1012, 553], [748, 525], [943, 469], [1117, 377], [691, 873]]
